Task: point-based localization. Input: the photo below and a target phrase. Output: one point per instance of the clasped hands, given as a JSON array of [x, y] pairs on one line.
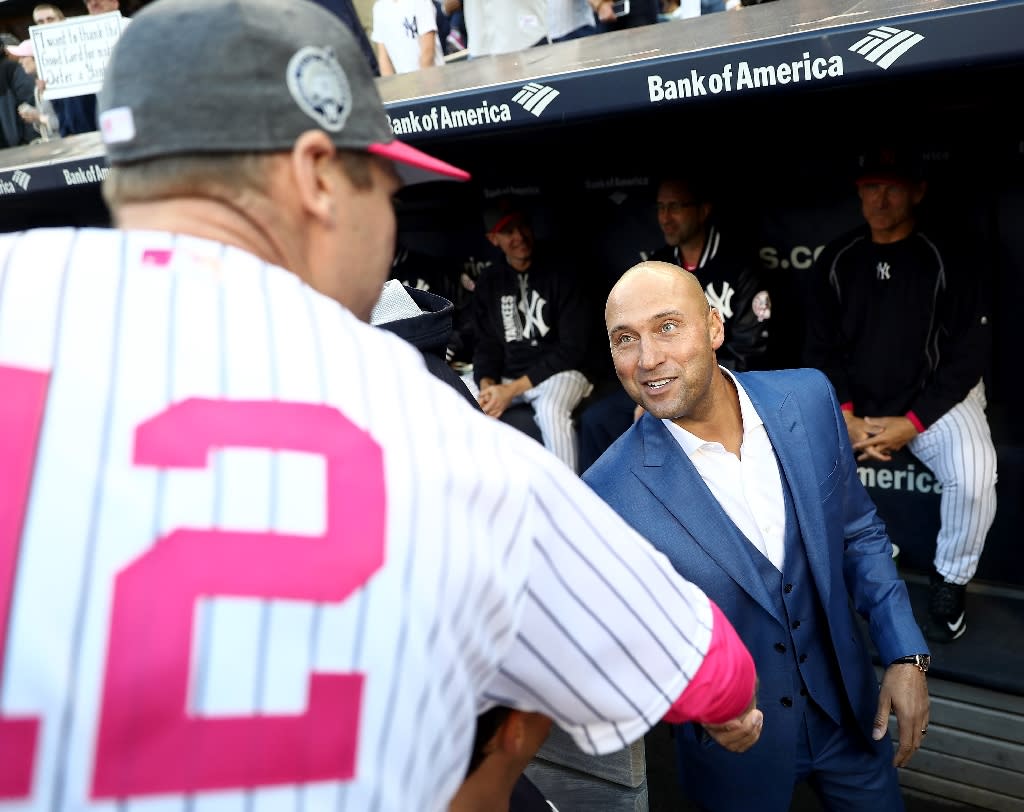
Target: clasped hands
[[877, 438], [495, 398]]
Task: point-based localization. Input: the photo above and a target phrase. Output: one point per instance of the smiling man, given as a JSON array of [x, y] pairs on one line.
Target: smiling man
[[532, 330], [747, 483]]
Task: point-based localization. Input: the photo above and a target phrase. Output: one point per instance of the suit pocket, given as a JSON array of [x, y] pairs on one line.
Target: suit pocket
[[828, 485]]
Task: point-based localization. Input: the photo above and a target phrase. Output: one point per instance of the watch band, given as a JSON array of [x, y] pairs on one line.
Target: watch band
[[922, 661]]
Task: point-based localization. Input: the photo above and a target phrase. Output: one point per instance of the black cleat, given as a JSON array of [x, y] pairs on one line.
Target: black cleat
[[947, 620]]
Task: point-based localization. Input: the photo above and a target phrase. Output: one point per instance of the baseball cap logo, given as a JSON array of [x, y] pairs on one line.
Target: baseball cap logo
[[320, 87]]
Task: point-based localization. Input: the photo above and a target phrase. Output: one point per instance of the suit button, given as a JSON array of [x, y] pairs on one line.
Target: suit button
[[787, 588], [786, 702], [796, 624], [779, 647], [803, 658]]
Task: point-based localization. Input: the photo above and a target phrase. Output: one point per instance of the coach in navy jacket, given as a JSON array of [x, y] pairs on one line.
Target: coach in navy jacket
[[818, 691]]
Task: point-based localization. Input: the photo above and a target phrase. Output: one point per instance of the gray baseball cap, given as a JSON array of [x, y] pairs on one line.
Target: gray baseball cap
[[232, 76]]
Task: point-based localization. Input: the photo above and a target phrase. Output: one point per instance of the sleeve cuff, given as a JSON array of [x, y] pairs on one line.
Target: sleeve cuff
[[847, 407], [723, 685], [913, 418]]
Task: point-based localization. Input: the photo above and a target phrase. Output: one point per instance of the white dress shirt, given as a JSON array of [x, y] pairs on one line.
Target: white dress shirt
[[749, 488]]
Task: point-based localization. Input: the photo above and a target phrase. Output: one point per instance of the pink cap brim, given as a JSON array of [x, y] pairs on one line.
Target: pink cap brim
[[414, 166], [23, 49]]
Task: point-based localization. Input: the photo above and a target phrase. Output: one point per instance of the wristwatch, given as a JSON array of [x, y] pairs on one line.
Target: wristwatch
[[922, 661]]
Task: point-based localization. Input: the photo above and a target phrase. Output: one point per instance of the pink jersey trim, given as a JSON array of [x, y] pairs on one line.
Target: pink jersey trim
[[723, 685]]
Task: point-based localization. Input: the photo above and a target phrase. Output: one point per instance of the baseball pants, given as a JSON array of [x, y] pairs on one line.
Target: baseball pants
[[959, 451], [553, 401]]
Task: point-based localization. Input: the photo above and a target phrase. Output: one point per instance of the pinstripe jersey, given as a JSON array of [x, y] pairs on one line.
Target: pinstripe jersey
[[249, 558]]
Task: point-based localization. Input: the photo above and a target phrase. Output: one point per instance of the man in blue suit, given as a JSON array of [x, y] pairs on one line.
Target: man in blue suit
[[748, 484]]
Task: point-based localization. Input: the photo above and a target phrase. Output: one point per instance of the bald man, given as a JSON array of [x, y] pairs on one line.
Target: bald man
[[747, 482]]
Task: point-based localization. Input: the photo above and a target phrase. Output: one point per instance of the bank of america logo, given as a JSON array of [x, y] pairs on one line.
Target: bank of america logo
[[884, 45], [21, 178], [535, 98]]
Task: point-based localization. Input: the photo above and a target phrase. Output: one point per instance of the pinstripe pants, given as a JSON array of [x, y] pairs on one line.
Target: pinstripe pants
[[553, 401], [959, 451]]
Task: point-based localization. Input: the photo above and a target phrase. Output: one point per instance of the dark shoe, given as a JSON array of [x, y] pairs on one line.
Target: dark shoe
[[947, 620]]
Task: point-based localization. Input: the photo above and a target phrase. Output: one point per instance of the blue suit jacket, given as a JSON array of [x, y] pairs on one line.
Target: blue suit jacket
[[647, 479]]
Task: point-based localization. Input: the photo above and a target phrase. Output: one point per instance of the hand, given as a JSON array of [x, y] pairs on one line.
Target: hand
[[29, 114], [495, 398], [885, 435], [604, 12], [904, 692], [739, 734]]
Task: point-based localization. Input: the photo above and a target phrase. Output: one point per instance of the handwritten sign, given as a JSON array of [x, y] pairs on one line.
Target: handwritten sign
[[72, 55]]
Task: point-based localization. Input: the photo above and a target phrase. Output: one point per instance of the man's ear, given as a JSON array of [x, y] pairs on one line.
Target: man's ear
[[316, 175], [918, 191], [705, 212], [716, 328], [492, 239]]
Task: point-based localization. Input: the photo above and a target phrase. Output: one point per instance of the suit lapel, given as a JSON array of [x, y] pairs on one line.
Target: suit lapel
[[784, 423], [673, 481]]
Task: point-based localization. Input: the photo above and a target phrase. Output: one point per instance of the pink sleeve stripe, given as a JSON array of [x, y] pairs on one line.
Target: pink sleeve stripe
[[847, 407], [723, 685], [913, 418]]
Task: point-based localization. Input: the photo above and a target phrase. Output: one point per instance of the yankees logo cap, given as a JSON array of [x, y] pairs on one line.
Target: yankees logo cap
[[235, 76]]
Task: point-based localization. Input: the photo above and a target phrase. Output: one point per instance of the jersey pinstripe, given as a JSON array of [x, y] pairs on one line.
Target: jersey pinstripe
[[503, 582]]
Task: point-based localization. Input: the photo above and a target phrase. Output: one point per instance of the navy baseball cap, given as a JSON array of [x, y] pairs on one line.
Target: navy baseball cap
[[234, 76], [888, 163]]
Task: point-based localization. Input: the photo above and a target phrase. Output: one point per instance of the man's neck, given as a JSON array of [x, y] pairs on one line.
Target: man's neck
[[720, 419], [690, 251], [894, 234], [207, 219], [519, 265]]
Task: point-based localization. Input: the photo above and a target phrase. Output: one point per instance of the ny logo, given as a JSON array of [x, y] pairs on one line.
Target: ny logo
[[532, 309], [882, 270], [411, 27], [721, 302]]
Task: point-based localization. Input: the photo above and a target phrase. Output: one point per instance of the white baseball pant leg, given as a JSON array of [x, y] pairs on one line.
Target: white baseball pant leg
[[959, 451], [553, 401]]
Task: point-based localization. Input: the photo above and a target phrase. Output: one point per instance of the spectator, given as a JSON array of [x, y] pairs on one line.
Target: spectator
[[570, 19], [641, 12], [401, 571], [46, 13], [747, 482], [405, 32], [676, 10], [455, 25], [17, 91], [902, 328], [505, 741], [77, 114], [732, 282], [345, 11], [41, 115], [532, 330], [504, 26]]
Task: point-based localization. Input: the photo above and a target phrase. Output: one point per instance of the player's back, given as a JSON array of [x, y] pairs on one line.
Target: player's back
[[248, 556]]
